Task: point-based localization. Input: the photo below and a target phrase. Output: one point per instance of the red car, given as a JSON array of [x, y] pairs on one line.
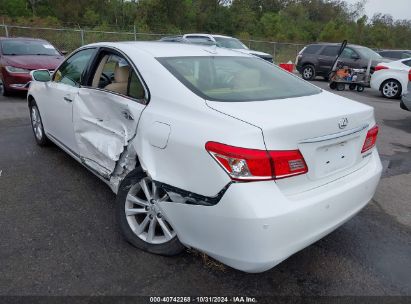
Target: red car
[[18, 56]]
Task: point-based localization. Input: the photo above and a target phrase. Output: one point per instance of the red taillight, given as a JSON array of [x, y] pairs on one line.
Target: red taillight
[[409, 75], [380, 67], [371, 139], [288, 163], [250, 164]]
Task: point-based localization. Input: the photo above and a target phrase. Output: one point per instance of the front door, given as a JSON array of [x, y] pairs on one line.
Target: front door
[[107, 112], [62, 94]]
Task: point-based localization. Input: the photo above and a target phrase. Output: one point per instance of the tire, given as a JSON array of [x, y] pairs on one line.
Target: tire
[[308, 72], [352, 87], [340, 86], [143, 214], [3, 90], [391, 89], [37, 125], [360, 88], [333, 85]]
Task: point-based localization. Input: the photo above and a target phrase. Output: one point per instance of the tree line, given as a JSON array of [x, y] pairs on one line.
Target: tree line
[[297, 21]]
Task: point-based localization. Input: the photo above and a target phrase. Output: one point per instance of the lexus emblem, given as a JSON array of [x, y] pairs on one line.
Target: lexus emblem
[[343, 123]]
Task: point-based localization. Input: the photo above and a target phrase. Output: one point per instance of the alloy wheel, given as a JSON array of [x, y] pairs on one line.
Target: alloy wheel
[[36, 123], [390, 89], [144, 215], [308, 73]]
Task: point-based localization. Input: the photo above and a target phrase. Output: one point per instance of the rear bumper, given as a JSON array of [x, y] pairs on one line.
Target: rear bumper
[[255, 226], [406, 101]]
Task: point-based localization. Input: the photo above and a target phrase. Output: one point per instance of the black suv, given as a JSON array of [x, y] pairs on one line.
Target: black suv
[[317, 59]]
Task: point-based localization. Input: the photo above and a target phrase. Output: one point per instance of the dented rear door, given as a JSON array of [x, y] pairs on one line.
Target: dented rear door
[[104, 123]]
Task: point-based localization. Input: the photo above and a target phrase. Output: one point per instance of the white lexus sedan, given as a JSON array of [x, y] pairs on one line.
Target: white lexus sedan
[[210, 148]]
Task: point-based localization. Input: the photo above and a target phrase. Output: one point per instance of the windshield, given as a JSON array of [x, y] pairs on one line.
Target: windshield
[[229, 43], [368, 53], [28, 47], [230, 79]]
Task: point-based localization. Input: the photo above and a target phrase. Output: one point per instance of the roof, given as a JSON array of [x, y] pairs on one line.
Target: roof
[[167, 49], [335, 44]]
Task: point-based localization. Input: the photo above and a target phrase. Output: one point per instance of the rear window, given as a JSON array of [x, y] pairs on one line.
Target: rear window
[[407, 62], [231, 79], [330, 51], [312, 49]]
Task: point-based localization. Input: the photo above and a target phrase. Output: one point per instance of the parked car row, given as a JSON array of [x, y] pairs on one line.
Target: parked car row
[[317, 59], [19, 56], [220, 41], [387, 76]]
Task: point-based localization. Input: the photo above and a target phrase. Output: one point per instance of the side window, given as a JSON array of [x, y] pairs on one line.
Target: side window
[[198, 39], [312, 49], [407, 62], [406, 55], [72, 69], [331, 51], [135, 88], [349, 53], [114, 73]]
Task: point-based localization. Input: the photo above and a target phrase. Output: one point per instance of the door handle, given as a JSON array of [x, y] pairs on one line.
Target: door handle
[[127, 115], [68, 99]]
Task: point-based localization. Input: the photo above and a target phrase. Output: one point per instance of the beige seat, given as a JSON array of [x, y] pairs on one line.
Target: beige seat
[[119, 85]]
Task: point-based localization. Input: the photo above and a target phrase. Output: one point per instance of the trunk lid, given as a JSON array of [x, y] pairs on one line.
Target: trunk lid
[[329, 131]]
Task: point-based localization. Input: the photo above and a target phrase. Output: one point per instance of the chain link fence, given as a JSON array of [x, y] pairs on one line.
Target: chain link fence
[[70, 39]]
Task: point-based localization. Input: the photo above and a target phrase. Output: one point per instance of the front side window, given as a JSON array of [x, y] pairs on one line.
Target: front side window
[[406, 55], [27, 47], [71, 71], [331, 51], [349, 53], [115, 74], [231, 79]]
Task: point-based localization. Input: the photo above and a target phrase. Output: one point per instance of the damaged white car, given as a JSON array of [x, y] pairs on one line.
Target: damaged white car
[[210, 148]]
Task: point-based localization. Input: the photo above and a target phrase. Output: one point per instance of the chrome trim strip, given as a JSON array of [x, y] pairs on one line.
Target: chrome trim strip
[[334, 135], [63, 146]]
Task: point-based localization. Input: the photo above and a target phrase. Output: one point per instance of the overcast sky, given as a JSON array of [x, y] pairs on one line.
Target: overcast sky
[[399, 9]]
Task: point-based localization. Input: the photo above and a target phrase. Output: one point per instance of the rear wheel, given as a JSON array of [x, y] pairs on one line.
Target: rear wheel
[[360, 88], [391, 89], [308, 72], [141, 218], [333, 85]]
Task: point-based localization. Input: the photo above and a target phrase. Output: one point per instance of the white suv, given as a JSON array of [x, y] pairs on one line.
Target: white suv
[[209, 148]]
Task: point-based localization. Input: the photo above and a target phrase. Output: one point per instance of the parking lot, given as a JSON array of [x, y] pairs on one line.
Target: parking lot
[[58, 234]]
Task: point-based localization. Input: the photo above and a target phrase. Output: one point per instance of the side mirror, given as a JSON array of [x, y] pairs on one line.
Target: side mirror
[[64, 52], [40, 75]]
